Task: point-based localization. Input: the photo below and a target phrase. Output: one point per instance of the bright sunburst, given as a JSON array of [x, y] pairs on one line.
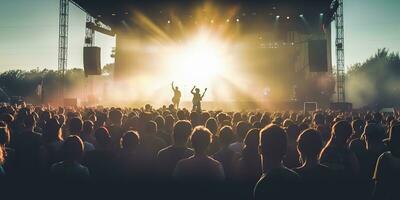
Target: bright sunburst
[[201, 59]]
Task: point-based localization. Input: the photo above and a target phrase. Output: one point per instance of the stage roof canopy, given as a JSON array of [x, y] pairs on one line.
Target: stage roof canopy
[[113, 12]]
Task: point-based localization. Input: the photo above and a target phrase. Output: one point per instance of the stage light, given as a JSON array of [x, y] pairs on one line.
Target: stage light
[[321, 14], [277, 17], [237, 19], [301, 15], [227, 20], [212, 21], [287, 17], [169, 21]]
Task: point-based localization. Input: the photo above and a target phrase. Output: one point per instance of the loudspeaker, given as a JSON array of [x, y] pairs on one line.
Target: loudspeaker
[[318, 55], [91, 60]]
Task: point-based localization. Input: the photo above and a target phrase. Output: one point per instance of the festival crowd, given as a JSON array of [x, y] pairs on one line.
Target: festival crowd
[[163, 152]]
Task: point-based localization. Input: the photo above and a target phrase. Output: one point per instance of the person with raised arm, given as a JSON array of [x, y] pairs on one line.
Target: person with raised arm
[[177, 96], [197, 98]]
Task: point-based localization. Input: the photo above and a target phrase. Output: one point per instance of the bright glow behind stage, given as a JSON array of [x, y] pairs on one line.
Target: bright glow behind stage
[[207, 49], [200, 60]]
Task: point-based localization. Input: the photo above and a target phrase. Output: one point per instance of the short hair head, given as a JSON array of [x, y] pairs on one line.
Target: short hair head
[[103, 137], [226, 135], [160, 121], [72, 148], [130, 140], [252, 139], [212, 125], [75, 125], [115, 116], [373, 133], [151, 128], [88, 126], [273, 142], [309, 144], [341, 131], [201, 139], [181, 132], [241, 129]]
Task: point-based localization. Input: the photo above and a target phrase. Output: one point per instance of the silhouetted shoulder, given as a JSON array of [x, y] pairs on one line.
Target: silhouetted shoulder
[[281, 183]]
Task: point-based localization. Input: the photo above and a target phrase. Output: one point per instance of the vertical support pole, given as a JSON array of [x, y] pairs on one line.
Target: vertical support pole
[[63, 45], [340, 64]]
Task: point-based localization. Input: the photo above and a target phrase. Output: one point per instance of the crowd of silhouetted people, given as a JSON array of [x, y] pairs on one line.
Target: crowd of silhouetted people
[[159, 153]]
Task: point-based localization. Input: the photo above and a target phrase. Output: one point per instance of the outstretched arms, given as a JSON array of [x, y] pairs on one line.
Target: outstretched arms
[[172, 86]]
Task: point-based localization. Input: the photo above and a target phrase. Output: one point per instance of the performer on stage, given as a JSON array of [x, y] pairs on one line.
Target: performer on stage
[[197, 98], [177, 96]]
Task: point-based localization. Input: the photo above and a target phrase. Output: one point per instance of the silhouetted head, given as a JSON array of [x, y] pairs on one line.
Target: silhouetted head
[[151, 128], [201, 139], [52, 130], [273, 143], [197, 90], [292, 131], [252, 139], [181, 115], [358, 126], [212, 125], [72, 149], [130, 141], [309, 144], [160, 122], [241, 130], [195, 118], [87, 127], [169, 122], [181, 133], [341, 131], [226, 136], [176, 88], [75, 126], [319, 119], [115, 117], [373, 133], [103, 138]]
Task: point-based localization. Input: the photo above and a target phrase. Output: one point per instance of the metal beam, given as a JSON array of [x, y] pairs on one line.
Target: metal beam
[[63, 44], [340, 62]]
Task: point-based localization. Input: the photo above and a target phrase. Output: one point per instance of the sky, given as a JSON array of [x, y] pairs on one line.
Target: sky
[[29, 33]]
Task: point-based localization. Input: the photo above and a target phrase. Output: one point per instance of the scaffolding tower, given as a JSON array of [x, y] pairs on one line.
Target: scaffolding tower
[[89, 32], [63, 44], [340, 64]]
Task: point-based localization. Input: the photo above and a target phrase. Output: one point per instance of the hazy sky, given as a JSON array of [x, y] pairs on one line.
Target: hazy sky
[[29, 32]]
